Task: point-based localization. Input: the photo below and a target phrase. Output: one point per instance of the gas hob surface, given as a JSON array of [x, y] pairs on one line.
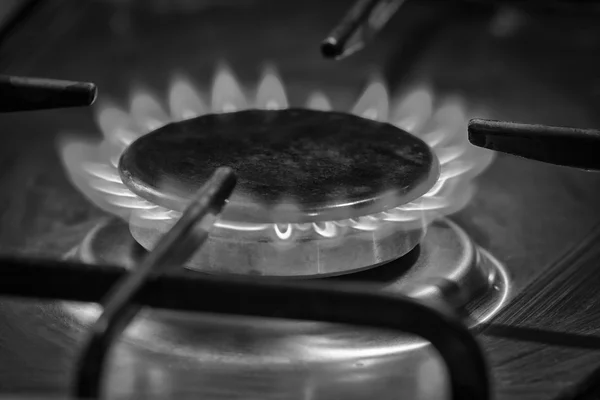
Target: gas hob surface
[[540, 221]]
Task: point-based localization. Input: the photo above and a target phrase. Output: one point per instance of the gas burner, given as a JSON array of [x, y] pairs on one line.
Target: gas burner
[[321, 194], [341, 227]]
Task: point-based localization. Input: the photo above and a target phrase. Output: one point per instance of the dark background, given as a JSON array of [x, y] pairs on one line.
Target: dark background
[[537, 66]]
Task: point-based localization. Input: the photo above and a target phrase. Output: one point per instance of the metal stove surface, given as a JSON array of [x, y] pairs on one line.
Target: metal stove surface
[[543, 222]]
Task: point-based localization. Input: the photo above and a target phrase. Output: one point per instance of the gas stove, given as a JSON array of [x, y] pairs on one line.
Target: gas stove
[[350, 174], [320, 194]]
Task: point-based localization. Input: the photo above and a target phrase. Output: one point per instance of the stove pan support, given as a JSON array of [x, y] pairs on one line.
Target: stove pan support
[[297, 300], [120, 305], [19, 93], [123, 294], [565, 146]]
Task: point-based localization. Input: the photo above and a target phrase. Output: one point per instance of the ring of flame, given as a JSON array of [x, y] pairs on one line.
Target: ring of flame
[[93, 167]]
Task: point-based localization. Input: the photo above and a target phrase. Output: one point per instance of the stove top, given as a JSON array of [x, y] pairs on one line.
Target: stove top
[[516, 246]]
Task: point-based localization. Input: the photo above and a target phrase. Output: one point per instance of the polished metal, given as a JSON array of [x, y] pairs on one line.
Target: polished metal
[[446, 254], [308, 254]]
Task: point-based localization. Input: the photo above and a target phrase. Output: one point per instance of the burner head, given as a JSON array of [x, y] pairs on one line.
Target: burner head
[[319, 193], [293, 165]]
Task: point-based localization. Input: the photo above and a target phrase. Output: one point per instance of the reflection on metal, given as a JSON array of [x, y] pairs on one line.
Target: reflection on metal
[[446, 254]]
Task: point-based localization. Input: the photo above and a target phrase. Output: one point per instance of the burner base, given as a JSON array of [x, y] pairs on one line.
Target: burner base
[[473, 278], [310, 256]]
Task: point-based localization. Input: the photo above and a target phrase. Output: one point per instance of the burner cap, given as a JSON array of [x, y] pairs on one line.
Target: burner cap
[[293, 165]]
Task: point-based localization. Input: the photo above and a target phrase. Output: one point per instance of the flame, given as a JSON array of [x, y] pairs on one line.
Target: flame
[[184, 101], [283, 231], [116, 125], [146, 111], [325, 229], [412, 112], [374, 102], [271, 94], [318, 101], [227, 96], [93, 167]]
